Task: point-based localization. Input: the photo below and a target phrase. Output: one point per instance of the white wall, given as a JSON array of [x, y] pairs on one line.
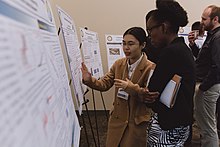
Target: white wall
[[114, 17]]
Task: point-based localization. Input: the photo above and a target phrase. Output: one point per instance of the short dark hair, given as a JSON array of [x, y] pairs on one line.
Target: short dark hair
[[215, 12], [138, 32], [196, 26], [148, 15]]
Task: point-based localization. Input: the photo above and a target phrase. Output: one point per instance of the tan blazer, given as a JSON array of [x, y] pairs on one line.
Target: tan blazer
[[128, 119]]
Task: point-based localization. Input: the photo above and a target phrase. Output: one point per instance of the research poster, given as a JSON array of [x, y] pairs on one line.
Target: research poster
[[184, 32], [36, 106], [91, 52], [114, 48], [74, 55]]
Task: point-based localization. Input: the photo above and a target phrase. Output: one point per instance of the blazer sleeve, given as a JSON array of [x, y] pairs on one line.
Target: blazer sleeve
[[105, 82]]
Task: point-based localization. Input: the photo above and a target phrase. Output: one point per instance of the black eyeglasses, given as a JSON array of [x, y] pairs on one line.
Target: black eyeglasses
[[150, 29]]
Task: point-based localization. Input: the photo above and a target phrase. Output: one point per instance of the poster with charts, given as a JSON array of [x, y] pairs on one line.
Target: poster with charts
[[91, 52], [114, 48], [36, 106], [74, 55]]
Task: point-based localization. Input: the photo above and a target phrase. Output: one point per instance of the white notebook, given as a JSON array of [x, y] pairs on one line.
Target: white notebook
[[150, 74], [168, 96]]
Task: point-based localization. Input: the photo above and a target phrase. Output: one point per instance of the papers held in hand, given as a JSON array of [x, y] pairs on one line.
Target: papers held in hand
[[168, 96], [151, 73]]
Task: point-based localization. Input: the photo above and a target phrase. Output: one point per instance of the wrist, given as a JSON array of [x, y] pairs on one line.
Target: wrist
[[87, 80], [191, 43]]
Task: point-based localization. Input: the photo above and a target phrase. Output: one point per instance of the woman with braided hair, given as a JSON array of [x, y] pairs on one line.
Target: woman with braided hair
[[170, 126]]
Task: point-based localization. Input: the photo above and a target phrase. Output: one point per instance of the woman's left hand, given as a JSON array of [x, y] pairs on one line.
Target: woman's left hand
[[121, 83]]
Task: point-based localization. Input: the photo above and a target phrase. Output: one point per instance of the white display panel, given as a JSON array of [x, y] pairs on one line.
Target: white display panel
[[114, 48], [36, 106], [91, 52], [74, 55]]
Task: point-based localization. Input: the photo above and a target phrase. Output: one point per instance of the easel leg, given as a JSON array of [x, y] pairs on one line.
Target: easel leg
[[84, 127], [96, 123], [89, 121], [103, 102]]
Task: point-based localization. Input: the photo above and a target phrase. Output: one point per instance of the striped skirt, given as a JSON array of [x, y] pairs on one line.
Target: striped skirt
[[156, 137]]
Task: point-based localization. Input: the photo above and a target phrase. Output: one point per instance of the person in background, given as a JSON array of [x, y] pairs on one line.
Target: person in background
[[208, 74], [196, 38], [129, 117], [170, 126]]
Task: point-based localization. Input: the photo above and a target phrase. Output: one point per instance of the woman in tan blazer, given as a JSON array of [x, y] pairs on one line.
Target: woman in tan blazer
[[128, 119]]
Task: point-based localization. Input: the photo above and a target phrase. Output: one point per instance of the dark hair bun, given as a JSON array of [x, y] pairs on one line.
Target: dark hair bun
[[174, 12]]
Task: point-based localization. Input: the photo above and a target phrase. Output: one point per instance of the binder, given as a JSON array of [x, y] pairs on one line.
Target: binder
[[168, 96]]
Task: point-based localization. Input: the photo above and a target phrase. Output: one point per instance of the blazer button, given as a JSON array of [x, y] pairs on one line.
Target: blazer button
[[116, 117], [117, 103], [126, 122]]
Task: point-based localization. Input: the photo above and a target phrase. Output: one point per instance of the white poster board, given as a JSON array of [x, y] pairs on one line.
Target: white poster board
[[184, 32], [36, 106], [91, 52], [114, 48], [74, 55]]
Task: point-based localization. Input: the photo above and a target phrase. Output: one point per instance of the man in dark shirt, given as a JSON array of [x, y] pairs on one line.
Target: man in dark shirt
[[208, 74]]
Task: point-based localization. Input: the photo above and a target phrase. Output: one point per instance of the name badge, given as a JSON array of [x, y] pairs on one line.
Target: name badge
[[122, 94]]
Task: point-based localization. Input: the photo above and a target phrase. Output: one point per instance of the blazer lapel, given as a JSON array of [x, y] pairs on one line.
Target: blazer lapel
[[139, 70], [125, 70]]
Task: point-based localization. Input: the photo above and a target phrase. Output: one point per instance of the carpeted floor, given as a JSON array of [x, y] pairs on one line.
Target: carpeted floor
[[91, 139]]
